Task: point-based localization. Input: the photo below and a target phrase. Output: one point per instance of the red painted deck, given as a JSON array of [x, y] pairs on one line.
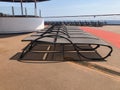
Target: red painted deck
[[108, 36]]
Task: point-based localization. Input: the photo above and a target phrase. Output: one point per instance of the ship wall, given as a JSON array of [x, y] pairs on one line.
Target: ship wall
[[20, 24]]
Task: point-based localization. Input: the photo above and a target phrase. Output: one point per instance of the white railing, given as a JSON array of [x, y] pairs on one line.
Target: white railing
[[16, 11]]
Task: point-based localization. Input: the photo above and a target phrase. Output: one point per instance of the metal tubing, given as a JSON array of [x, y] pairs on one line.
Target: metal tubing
[[26, 11], [21, 7], [35, 8], [13, 11], [40, 13], [57, 29]]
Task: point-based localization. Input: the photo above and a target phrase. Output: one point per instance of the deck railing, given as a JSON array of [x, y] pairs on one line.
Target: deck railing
[[16, 11]]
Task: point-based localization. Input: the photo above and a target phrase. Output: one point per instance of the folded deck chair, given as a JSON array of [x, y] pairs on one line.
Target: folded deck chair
[[62, 35]]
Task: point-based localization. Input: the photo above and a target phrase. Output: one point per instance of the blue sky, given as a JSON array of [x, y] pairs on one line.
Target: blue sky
[[75, 7], [72, 7], [79, 7]]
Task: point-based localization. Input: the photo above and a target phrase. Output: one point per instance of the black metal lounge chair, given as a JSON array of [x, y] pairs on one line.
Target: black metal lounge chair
[[62, 35]]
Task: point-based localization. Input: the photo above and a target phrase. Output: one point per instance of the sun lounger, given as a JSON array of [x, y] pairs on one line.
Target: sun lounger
[[60, 35]]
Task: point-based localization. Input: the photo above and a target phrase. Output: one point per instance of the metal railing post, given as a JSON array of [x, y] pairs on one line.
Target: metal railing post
[[21, 7], [40, 13], [13, 13], [35, 10], [25, 11]]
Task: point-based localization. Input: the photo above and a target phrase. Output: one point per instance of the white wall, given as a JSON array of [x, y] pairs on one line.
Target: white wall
[[20, 24]]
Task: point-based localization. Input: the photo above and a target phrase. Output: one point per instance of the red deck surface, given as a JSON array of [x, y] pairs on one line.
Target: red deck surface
[[108, 36]]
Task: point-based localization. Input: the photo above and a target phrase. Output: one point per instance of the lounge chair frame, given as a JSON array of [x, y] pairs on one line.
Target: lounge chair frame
[[60, 34]]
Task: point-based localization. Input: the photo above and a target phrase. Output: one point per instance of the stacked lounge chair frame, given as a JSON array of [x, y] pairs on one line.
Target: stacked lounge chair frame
[[66, 35]]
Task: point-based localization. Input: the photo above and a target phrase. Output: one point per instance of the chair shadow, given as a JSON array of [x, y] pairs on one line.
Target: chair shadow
[[31, 57], [38, 57]]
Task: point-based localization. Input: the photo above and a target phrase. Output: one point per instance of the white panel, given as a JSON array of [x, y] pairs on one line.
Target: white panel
[[20, 24]]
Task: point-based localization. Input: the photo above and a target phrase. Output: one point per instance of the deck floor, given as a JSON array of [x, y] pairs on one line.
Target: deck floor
[[36, 74]]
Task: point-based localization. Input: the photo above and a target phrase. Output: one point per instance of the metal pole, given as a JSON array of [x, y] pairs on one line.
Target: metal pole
[[13, 11], [26, 11], [35, 8], [21, 7], [40, 13]]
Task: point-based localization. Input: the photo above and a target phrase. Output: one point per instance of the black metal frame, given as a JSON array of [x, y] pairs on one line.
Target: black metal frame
[[62, 29]]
